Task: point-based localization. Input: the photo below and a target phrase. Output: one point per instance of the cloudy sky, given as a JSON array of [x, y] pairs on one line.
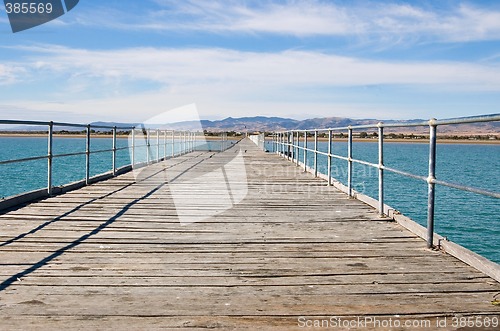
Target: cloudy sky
[[129, 60]]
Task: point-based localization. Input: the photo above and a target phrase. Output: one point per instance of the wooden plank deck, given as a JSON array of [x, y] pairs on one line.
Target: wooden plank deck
[[114, 255]]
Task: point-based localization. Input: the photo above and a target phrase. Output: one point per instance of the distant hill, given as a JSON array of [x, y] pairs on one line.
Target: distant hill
[[267, 124], [261, 124], [117, 124]]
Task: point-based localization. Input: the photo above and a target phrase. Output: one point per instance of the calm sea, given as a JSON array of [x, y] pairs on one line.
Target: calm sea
[[468, 219]]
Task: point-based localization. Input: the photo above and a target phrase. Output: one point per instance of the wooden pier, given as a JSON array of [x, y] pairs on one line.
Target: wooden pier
[[293, 252]]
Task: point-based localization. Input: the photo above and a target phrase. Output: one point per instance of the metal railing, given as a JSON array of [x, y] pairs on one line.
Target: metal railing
[[180, 142], [288, 144], [259, 140]]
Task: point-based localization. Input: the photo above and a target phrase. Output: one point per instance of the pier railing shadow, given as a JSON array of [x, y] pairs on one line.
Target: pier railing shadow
[[153, 188]]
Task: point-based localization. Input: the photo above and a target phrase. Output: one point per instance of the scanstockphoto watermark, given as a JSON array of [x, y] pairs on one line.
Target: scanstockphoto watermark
[[24, 15], [207, 191], [373, 322], [362, 174]]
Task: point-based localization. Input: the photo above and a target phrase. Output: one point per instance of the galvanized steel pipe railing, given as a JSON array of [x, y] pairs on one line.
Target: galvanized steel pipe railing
[[282, 145], [186, 139]]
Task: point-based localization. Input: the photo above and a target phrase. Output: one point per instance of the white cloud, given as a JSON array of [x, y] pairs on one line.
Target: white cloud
[[178, 68], [142, 106], [10, 74], [230, 83], [299, 18], [303, 18]]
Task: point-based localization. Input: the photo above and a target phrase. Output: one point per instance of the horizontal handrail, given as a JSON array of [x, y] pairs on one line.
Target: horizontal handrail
[[70, 125], [179, 142], [69, 154], [468, 189], [404, 173], [102, 151], [28, 159], [288, 145]]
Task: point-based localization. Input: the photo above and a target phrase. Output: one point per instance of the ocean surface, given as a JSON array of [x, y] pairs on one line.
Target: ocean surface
[[469, 219]]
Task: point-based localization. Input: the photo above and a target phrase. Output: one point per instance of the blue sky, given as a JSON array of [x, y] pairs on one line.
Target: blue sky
[[121, 60]]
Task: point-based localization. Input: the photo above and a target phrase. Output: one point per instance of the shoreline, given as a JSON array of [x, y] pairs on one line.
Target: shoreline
[[212, 138]]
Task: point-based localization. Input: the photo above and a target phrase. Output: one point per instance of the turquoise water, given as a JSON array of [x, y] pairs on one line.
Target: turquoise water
[[469, 219], [32, 175]]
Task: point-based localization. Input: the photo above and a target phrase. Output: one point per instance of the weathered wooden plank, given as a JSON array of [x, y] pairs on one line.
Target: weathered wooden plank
[[250, 303], [312, 291], [106, 257], [225, 280]]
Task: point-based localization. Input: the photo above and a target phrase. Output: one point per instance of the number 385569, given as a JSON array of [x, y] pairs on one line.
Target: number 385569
[[28, 8]]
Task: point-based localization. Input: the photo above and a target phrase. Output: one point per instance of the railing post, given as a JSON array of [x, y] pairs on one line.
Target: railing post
[[276, 137], [305, 151], [164, 144], [114, 151], [278, 143], [282, 144], [148, 145], [221, 140], [349, 160], [329, 157], [133, 147], [50, 156], [184, 142], [157, 145], [316, 153], [87, 157], [288, 149], [180, 143], [173, 143], [195, 141], [278, 146], [195, 136], [190, 141], [381, 169], [430, 181], [297, 145]]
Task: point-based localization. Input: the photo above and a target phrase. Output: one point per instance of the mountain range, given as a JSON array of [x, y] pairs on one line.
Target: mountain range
[[269, 124]]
